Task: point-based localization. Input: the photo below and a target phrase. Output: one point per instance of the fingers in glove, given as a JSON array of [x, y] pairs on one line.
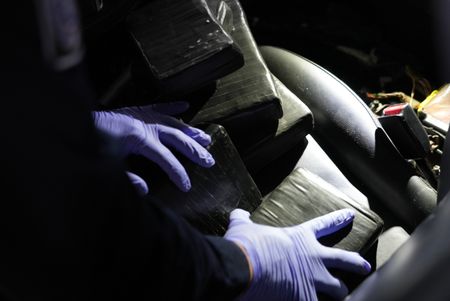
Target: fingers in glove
[[239, 217], [186, 145], [162, 156], [138, 183], [331, 286], [331, 222], [198, 135], [345, 260], [164, 118]]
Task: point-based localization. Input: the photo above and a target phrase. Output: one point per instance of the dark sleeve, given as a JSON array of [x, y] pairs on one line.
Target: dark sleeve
[[71, 225]]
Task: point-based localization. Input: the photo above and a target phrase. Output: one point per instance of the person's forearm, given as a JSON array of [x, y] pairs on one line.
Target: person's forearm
[[189, 265], [247, 257]]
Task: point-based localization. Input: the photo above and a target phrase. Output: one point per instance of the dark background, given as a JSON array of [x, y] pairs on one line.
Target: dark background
[[367, 44]]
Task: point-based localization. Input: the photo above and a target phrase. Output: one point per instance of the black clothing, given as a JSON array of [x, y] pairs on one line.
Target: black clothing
[[71, 225]]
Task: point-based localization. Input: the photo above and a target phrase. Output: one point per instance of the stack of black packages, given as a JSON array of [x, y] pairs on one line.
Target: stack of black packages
[[216, 191], [246, 101], [182, 47], [188, 45]]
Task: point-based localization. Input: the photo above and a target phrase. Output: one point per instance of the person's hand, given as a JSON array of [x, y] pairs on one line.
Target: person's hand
[[289, 263], [148, 131]]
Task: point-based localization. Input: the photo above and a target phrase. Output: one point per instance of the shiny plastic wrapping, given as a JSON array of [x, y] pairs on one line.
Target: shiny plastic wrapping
[[303, 196], [246, 98], [215, 191], [182, 45]]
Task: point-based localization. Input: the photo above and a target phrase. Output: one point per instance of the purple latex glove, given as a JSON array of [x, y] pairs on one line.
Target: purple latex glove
[[139, 184], [148, 131], [289, 263]]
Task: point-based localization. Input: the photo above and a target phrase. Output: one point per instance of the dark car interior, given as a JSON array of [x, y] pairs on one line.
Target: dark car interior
[[312, 106]]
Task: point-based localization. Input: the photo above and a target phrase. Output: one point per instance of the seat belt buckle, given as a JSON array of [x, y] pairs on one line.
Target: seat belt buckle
[[406, 131]]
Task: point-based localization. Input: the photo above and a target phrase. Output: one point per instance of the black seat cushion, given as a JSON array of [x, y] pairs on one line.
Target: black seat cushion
[[420, 268], [352, 137]]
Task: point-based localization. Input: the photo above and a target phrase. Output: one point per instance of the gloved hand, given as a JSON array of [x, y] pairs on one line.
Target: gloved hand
[[289, 263], [147, 131]]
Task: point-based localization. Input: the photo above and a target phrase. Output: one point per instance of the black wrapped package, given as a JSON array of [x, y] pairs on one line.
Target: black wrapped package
[[296, 123], [182, 47], [215, 191], [245, 102], [303, 196]]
